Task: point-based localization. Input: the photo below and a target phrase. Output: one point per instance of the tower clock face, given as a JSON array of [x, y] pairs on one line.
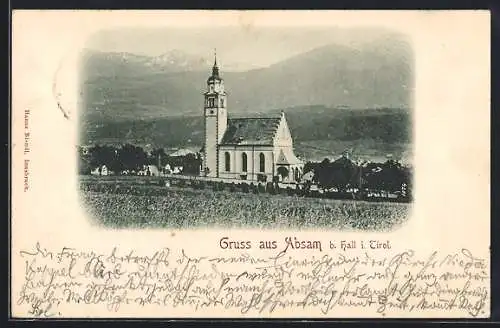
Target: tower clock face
[[210, 112]]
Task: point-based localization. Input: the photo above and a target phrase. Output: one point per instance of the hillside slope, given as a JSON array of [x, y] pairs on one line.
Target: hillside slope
[[318, 131]]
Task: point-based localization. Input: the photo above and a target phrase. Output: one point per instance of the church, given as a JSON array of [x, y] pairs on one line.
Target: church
[[251, 148]]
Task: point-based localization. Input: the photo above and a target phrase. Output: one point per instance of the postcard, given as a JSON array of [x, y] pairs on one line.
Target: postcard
[[250, 164]]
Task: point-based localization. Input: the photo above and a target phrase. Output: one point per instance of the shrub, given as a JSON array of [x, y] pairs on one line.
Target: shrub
[[270, 188]]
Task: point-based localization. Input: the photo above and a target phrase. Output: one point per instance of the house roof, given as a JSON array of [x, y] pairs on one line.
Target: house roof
[[182, 152], [251, 130]]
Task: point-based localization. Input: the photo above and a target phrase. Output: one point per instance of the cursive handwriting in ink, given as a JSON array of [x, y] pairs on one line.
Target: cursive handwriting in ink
[[321, 282]]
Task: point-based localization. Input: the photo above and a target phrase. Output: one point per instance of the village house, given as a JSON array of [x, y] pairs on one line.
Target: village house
[[101, 170], [250, 148], [149, 170]]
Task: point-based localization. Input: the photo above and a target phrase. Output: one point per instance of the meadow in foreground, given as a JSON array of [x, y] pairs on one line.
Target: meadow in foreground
[[142, 207]]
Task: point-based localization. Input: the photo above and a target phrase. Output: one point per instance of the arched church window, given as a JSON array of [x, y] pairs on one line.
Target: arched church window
[[244, 163], [222, 102], [262, 162], [227, 158]]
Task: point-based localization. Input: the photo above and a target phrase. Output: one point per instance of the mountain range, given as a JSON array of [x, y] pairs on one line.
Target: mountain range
[[357, 95], [127, 86]]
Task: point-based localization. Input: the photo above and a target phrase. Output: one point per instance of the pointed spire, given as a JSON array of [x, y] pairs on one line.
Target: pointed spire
[[215, 69]]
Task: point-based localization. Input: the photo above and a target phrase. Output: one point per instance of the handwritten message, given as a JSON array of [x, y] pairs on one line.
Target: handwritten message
[[313, 282]]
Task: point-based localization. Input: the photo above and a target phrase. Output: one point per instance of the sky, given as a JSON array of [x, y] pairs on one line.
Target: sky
[[253, 46]]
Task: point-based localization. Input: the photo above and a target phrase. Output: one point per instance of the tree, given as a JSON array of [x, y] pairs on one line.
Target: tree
[[343, 173], [388, 176], [408, 178], [324, 174], [158, 155], [191, 164], [392, 176], [310, 166], [314, 168], [131, 157], [340, 174], [104, 155], [84, 166]]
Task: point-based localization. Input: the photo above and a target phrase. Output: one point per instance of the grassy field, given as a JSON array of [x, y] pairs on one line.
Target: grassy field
[[141, 206]]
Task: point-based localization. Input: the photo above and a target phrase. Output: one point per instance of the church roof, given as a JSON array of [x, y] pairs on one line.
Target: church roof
[[251, 131]]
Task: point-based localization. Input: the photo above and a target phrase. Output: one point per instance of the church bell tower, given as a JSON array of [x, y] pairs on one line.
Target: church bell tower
[[215, 121]]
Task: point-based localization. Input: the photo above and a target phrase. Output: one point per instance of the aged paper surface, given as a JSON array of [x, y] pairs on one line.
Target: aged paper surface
[[435, 264]]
